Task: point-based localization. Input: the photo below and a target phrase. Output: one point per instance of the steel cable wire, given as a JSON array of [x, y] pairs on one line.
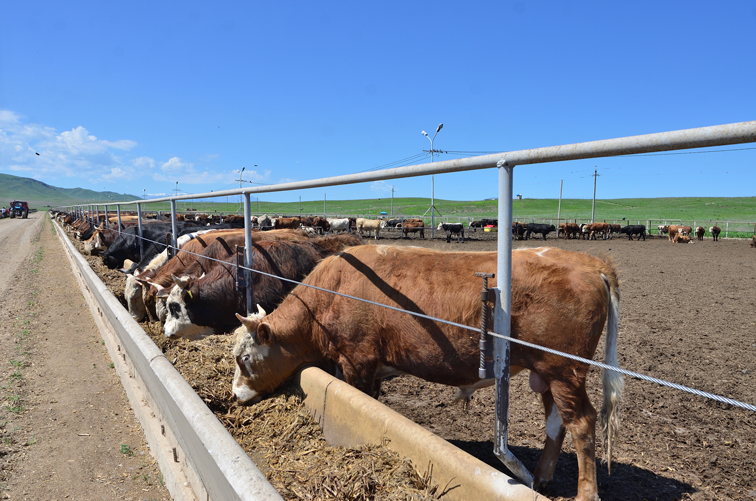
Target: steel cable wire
[[594, 363]]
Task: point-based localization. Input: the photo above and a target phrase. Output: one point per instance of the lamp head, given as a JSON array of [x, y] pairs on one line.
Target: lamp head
[[440, 126], [424, 133]]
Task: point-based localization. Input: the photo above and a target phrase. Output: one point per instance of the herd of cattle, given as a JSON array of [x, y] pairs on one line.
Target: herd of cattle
[[194, 292]]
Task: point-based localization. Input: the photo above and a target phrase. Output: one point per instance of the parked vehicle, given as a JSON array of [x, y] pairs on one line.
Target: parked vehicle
[[19, 209]]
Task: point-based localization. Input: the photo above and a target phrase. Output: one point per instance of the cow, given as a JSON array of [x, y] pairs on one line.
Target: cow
[[199, 307], [412, 227], [321, 225], [685, 230], [264, 222], [393, 223], [681, 239], [715, 231], [571, 229], [518, 230], [585, 231], [100, 240], [700, 232], [634, 229], [672, 231], [560, 299], [753, 241], [482, 223], [339, 225], [195, 259], [614, 228], [599, 228], [543, 229], [374, 225], [663, 229], [132, 291], [281, 223], [452, 229]]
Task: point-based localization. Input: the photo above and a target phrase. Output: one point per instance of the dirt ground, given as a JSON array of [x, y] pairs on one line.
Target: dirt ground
[[688, 315], [67, 429]]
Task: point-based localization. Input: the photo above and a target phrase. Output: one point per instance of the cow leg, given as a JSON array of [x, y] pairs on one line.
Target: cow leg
[[555, 432], [579, 418]]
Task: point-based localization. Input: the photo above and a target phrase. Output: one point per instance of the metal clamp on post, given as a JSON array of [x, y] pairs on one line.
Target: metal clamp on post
[[169, 245], [485, 371], [241, 281]]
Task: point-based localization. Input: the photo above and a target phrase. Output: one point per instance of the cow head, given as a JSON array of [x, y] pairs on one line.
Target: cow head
[[178, 321], [132, 292], [258, 368]]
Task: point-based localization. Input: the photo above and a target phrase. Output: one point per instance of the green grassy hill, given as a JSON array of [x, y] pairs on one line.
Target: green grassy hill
[[39, 194]]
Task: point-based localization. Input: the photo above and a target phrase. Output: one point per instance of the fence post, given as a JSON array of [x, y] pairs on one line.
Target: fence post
[[139, 224], [248, 251], [502, 325], [727, 228]]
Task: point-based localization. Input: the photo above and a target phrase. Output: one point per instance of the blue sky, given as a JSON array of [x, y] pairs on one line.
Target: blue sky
[[134, 97]]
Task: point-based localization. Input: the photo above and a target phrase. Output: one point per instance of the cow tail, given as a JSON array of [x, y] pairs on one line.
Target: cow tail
[[613, 383]]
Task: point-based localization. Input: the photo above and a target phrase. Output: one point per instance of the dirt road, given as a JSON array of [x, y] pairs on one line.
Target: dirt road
[[67, 429]]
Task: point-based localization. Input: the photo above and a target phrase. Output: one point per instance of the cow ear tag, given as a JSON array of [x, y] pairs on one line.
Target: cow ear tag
[[190, 294]]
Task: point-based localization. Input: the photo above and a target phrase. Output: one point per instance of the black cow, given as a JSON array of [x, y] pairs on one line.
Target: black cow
[[634, 229], [449, 228], [482, 223], [543, 229], [393, 223], [518, 231]]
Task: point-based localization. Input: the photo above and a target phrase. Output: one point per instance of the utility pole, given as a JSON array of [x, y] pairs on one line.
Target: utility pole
[[432, 208], [559, 210], [593, 209], [392, 201], [240, 185]]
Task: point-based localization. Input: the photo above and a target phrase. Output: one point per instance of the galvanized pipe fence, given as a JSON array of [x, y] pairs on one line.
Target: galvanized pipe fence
[[737, 133]]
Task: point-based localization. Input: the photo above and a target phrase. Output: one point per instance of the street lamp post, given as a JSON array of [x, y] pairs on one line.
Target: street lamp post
[[432, 208]]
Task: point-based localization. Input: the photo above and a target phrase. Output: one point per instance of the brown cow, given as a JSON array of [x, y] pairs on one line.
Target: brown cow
[[282, 223], [571, 230], [599, 228], [753, 241], [198, 307], [195, 259], [672, 232], [560, 299], [681, 239], [410, 226], [700, 232], [715, 231]]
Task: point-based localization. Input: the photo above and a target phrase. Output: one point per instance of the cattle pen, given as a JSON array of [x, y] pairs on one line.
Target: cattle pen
[[505, 162]]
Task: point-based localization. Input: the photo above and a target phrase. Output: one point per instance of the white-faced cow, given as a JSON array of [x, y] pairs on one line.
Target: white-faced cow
[[560, 299], [700, 232], [452, 229], [715, 231]]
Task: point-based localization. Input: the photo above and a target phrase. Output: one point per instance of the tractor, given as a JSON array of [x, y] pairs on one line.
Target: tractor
[[19, 209]]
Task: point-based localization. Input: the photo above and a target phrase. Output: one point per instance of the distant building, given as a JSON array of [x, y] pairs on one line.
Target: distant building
[[519, 197]]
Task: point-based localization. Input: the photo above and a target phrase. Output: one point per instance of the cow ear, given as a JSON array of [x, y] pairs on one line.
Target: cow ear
[[264, 333], [163, 292]]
